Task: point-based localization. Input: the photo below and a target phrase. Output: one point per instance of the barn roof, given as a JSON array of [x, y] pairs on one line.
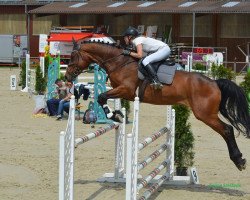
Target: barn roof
[[21, 2], [130, 7]]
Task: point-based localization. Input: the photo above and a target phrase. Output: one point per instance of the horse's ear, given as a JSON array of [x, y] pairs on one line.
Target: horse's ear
[[76, 47]]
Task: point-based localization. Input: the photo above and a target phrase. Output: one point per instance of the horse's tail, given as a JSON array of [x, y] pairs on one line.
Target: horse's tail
[[234, 105]]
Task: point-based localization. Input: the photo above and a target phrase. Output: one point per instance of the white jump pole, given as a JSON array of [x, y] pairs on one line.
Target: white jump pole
[[42, 65], [66, 156], [132, 153]]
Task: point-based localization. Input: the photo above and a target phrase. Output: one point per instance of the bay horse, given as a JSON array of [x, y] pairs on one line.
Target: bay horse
[[206, 97]]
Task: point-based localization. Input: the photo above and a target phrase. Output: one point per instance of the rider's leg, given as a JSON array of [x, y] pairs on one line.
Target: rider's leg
[[153, 76], [159, 55]]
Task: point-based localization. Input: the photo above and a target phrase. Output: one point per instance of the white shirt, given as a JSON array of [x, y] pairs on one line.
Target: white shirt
[[149, 45]]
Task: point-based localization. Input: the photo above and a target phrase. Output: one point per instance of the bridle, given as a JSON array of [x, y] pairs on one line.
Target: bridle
[[77, 71]]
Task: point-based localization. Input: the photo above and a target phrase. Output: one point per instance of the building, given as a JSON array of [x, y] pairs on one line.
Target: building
[[216, 23]]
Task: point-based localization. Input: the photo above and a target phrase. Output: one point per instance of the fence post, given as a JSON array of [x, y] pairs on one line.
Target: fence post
[[42, 65]]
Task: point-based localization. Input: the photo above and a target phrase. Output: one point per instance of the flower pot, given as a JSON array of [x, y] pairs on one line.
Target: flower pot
[[181, 171]]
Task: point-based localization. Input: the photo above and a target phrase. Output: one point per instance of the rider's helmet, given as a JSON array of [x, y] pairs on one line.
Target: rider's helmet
[[131, 31]]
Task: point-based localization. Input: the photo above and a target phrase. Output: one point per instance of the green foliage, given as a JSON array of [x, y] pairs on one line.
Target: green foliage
[[126, 104], [46, 65], [184, 139], [199, 66], [22, 75], [246, 83], [62, 77], [246, 86], [40, 86], [219, 71]]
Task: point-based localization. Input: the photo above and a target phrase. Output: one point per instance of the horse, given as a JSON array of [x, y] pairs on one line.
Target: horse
[[204, 96]]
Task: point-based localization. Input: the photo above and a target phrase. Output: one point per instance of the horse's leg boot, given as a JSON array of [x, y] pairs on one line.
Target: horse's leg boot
[[155, 82]]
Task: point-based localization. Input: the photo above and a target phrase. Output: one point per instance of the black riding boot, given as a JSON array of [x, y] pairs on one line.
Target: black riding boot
[[155, 82]]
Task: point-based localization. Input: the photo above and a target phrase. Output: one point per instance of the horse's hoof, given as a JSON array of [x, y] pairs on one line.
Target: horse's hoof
[[118, 118], [118, 112], [242, 165]]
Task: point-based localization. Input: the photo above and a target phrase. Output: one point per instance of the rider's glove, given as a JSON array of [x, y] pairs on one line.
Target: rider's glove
[[126, 52]]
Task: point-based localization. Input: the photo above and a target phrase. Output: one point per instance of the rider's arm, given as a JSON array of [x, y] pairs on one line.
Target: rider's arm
[[139, 52]]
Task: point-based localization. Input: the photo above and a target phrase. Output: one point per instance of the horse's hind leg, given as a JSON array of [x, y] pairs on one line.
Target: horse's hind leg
[[234, 152], [227, 132]]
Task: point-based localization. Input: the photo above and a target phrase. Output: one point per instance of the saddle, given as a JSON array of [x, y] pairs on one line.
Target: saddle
[[165, 71]]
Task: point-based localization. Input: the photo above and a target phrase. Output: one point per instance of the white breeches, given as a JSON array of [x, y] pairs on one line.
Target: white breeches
[[159, 55]]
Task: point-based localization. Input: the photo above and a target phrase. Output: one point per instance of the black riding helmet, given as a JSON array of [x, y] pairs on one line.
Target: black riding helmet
[[131, 31]]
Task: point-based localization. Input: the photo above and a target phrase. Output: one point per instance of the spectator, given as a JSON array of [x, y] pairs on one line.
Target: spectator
[[65, 101], [59, 94]]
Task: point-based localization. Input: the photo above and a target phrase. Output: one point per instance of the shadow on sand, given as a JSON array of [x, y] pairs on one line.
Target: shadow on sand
[[190, 188]]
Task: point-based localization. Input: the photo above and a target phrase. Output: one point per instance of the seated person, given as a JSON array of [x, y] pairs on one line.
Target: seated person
[[65, 101], [59, 94], [66, 106]]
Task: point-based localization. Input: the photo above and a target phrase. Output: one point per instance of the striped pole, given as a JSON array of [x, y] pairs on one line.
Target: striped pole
[[144, 181], [154, 187], [154, 137], [152, 157], [95, 134]]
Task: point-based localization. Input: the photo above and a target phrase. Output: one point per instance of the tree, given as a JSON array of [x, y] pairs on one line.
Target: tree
[[40, 86], [246, 86], [22, 75], [184, 139], [219, 71]]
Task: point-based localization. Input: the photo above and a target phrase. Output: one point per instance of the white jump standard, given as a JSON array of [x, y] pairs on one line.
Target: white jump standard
[[68, 144], [133, 166], [134, 182]]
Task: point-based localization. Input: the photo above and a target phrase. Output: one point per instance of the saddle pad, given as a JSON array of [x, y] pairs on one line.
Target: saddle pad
[[165, 74]]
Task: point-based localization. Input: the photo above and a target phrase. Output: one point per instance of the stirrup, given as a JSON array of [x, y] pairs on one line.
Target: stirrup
[[156, 85]]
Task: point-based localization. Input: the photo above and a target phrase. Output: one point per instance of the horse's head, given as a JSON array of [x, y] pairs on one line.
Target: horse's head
[[107, 56], [78, 62]]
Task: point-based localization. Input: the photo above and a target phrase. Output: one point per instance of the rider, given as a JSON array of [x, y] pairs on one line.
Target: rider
[[156, 49]]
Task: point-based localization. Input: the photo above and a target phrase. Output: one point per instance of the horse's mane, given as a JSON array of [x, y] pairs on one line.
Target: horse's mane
[[113, 45]]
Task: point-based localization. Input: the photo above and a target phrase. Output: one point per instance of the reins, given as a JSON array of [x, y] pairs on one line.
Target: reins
[[109, 59], [102, 62]]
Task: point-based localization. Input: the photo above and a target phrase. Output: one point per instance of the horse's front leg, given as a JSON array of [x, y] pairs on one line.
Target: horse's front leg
[[119, 92]]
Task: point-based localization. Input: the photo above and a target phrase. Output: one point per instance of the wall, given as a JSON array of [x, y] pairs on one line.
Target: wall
[[215, 30], [13, 24], [43, 24]]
